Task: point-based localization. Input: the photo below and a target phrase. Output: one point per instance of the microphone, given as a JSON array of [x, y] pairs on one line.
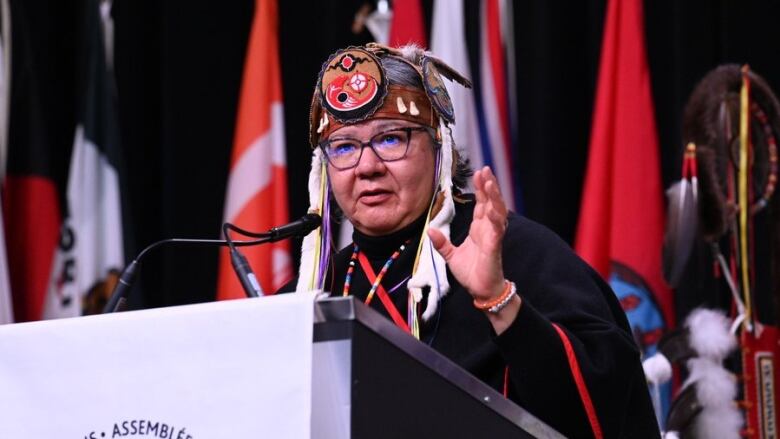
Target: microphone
[[244, 271], [300, 227], [246, 276], [118, 301]]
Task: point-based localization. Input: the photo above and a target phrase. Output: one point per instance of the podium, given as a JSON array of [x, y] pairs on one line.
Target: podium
[[282, 367]]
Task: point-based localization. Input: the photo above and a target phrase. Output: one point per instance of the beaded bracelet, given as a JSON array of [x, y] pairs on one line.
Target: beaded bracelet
[[497, 304]]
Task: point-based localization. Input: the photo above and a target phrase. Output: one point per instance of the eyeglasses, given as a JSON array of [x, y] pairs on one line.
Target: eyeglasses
[[391, 145]]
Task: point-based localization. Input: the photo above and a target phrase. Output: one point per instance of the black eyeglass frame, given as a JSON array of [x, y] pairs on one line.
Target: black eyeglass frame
[[324, 144]]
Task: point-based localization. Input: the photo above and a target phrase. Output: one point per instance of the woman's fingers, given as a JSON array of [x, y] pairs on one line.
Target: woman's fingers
[[493, 192], [441, 243], [492, 204], [479, 193], [476, 263], [483, 180]]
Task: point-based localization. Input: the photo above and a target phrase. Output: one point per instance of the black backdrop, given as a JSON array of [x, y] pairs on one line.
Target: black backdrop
[[178, 67]]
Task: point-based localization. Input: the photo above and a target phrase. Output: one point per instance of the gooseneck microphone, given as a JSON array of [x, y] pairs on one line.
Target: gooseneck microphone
[[118, 301], [240, 264], [300, 227], [246, 276]]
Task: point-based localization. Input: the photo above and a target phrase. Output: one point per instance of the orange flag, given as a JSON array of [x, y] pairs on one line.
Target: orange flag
[[257, 185], [621, 225]]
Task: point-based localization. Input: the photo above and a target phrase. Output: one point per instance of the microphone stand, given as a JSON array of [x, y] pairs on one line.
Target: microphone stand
[[118, 301], [241, 266], [300, 227]]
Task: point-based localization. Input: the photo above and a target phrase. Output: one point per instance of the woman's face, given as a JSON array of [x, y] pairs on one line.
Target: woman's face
[[381, 197]]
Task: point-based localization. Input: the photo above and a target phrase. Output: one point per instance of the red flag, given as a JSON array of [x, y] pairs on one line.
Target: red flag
[[257, 186], [621, 225], [32, 223], [408, 25], [31, 202]]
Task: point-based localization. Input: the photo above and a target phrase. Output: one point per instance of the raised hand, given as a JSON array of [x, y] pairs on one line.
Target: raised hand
[[476, 263]]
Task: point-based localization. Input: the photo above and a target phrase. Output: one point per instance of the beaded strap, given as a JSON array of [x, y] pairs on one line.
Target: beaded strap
[[350, 270], [381, 275], [378, 280]]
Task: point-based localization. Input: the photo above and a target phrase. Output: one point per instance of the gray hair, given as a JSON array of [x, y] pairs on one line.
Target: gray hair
[[399, 72]]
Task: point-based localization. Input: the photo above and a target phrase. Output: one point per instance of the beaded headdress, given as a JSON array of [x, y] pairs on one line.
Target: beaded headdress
[[352, 87]]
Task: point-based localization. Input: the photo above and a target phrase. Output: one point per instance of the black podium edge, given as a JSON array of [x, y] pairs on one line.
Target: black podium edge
[[332, 321]]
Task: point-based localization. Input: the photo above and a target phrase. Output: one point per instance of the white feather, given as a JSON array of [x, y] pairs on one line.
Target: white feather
[[716, 389], [709, 334], [411, 52], [718, 422], [658, 369], [715, 386]]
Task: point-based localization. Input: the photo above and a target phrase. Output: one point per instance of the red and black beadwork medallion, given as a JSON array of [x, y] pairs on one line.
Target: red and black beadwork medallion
[[352, 85]]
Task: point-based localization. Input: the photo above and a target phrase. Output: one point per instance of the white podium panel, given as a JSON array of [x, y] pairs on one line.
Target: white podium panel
[[331, 392], [130, 374]]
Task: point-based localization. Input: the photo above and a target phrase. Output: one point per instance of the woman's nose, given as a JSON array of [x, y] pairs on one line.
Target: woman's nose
[[369, 162]]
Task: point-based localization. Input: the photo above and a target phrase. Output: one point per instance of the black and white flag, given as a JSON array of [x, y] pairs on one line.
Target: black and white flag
[[91, 248]]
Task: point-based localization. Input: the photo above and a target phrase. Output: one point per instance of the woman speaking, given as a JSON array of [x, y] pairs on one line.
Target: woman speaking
[[501, 296]]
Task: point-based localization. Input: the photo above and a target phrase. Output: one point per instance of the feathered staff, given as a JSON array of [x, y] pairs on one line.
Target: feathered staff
[[726, 201]]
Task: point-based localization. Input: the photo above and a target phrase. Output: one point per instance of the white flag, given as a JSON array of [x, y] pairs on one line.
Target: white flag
[[448, 42], [91, 248]]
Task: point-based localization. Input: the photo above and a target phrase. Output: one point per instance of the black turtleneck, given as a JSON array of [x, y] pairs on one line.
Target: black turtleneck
[[378, 249]]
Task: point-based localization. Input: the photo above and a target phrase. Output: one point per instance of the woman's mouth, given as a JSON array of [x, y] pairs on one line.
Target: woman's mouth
[[374, 196]]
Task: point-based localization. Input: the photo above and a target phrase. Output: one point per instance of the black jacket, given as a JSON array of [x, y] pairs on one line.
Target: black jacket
[[557, 287]]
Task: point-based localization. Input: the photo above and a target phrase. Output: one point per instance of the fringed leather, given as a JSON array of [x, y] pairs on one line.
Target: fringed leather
[[432, 269], [307, 267]]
